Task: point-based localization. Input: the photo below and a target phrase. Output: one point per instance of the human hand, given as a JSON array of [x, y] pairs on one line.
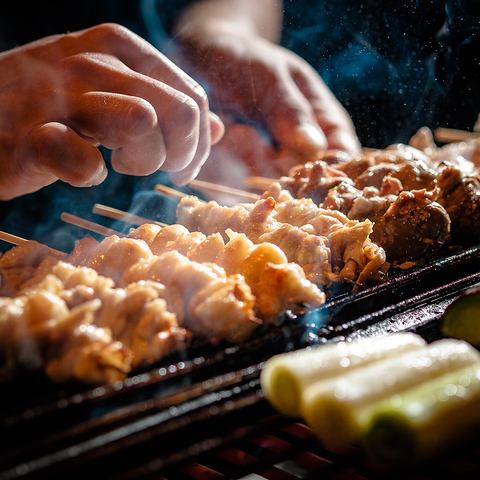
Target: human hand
[[271, 85], [63, 96]]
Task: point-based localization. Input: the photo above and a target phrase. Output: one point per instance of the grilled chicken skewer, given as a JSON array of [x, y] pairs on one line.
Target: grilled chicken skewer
[[106, 330], [275, 283], [450, 174], [353, 258], [204, 298]]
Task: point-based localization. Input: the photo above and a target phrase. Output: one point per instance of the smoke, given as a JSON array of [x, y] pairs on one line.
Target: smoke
[[392, 75], [394, 65]]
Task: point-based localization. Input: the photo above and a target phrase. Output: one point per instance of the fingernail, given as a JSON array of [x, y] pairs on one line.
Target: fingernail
[[217, 128], [310, 136], [100, 176]]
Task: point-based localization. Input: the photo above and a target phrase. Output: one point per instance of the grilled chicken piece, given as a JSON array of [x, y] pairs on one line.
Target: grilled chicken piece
[[185, 293], [21, 263], [85, 352], [214, 304], [114, 255], [412, 227], [137, 316], [460, 196], [275, 283], [312, 252], [408, 226], [37, 330], [412, 176], [313, 180]]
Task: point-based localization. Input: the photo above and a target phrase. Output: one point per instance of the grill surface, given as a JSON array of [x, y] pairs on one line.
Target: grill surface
[[202, 416]]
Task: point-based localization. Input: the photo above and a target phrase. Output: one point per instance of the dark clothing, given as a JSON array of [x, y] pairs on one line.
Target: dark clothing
[[395, 65]]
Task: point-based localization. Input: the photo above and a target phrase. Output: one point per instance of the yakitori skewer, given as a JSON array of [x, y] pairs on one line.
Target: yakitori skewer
[[345, 255], [88, 225], [78, 324], [206, 300], [450, 135], [259, 183], [12, 239], [276, 284], [169, 192], [123, 216]]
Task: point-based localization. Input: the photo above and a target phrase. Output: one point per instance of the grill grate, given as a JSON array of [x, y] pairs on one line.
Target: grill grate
[[188, 407]]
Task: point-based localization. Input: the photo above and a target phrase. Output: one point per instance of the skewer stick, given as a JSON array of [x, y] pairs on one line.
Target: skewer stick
[[11, 238], [213, 187], [116, 214], [169, 192], [449, 135], [88, 225], [260, 183], [16, 240]]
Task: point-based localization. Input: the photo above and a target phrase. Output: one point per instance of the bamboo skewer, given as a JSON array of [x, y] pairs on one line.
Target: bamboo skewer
[[169, 192], [215, 188], [116, 214], [12, 239], [260, 183], [449, 135], [16, 240], [88, 225]]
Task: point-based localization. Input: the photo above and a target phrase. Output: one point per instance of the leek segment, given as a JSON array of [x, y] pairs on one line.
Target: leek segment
[[339, 410], [286, 377], [462, 319], [410, 426]]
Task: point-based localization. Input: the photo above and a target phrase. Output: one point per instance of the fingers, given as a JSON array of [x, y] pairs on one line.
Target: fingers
[[177, 114], [133, 67], [58, 151], [111, 119], [141, 156], [126, 124], [143, 58], [291, 119], [329, 113]]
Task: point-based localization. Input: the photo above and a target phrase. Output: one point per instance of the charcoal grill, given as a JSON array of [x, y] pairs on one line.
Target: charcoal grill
[[203, 416]]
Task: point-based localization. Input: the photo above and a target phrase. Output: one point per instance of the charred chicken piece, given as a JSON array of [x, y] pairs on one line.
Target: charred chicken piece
[[407, 226], [460, 196], [412, 176], [412, 227], [313, 180]]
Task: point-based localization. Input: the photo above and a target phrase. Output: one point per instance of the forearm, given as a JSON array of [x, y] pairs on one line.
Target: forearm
[[249, 17]]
